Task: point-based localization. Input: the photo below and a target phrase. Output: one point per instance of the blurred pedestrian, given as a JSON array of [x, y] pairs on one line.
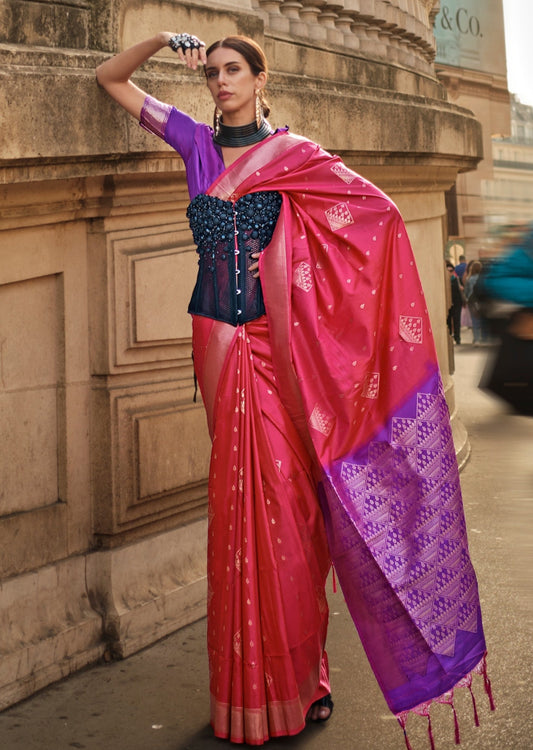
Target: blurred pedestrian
[[466, 318], [460, 269], [510, 279], [472, 296], [457, 301]]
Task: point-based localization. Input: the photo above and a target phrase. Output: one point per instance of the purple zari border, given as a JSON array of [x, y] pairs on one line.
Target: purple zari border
[[396, 529], [154, 116]]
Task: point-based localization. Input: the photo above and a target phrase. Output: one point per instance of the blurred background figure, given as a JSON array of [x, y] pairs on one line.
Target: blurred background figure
[[460, 269], [464, 269], [511, 277], [510, 280], [453, 320], [473, 296]]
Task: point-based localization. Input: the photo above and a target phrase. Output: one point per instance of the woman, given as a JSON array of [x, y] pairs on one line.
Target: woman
[[329, 425]]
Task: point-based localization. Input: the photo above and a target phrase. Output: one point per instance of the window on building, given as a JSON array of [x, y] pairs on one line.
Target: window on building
[[451, 211]]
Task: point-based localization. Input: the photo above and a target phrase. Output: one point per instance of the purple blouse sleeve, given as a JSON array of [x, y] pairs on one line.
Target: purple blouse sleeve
[[168, 123], [192, 140], [154, 116]]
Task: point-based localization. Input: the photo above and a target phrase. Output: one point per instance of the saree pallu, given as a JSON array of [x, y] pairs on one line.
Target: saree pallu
[[267, 550], [356, 370]]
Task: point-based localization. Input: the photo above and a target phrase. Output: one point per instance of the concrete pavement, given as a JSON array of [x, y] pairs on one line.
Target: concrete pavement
[[158, 699]]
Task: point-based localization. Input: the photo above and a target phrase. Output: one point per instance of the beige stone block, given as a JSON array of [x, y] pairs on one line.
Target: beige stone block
[[61, 24], [163, 420], [31, 372], [29, 437], [31, 539], [161, 287], [45, 94], [213, 21], [47, 628], [44, 463], [141, 280], [147, 590], [164, 463], [156, 462], [31, 336], [75, 467]]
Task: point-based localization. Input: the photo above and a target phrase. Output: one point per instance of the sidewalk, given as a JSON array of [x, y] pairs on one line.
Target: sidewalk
[[158, 699]]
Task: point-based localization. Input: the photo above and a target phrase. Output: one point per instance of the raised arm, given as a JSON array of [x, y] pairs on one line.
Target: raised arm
[[114, 74]]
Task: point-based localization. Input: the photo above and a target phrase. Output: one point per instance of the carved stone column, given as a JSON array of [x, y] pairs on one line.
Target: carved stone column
[[276, 21], [310, 12], [327, 18], [291, 9], [344, 25]]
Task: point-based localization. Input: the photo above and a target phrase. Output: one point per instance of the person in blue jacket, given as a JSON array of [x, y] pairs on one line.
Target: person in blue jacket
[[510, 374], [511, 277]]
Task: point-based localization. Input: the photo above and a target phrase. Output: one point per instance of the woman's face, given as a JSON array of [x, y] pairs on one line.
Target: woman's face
[[233, 85]]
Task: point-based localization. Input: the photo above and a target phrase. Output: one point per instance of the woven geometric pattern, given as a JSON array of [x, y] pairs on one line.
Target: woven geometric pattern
[[344, 173], [321, 421], [411, 521], [371, 385], [411, 329], [339, 216], [303, 277]]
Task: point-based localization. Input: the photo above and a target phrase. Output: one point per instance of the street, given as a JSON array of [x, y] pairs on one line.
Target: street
[[158, 699]]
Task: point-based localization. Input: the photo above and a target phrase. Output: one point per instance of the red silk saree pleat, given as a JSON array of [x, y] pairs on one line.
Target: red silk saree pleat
[[267, 551]]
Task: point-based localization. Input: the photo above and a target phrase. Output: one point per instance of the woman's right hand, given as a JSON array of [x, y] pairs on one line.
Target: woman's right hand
[[191, 56]]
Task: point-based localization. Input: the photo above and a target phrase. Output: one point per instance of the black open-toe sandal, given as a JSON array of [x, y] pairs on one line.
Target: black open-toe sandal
[[325, 702]]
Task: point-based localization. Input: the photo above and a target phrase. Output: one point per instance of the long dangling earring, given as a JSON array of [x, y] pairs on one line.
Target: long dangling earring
[[216, 120], [258, 108]]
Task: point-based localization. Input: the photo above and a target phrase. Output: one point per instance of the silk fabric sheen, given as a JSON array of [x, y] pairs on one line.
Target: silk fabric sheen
[[341, 379]]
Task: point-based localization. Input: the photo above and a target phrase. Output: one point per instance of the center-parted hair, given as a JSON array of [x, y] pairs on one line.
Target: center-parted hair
[[252, 53]]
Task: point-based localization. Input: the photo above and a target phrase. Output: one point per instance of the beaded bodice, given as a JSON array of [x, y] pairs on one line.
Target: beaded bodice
[[226, 234]]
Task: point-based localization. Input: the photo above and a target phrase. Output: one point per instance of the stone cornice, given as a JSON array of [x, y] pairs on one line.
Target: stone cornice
[[58, 124], [154, 185], [462, 81]]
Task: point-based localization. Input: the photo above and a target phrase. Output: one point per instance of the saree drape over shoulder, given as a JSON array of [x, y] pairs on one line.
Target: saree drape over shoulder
[[331, 440], [355, 367]]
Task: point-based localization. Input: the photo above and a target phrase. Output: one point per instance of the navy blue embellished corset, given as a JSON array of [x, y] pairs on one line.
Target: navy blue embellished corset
[[226, 234]]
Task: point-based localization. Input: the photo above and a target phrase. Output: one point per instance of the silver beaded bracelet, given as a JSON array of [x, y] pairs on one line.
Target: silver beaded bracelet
[[184, 42]]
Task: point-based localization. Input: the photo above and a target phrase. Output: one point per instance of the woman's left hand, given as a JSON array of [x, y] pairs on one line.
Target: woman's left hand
[[255, 266]]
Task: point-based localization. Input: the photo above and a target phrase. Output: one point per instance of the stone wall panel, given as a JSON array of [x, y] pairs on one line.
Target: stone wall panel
[[159, 445], [43, 397], [31, 373], [146, 590], [29, 540], [164, 466], [152, 277]]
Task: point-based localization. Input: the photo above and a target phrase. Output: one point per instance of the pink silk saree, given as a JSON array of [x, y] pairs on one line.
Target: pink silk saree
[[334, 397]]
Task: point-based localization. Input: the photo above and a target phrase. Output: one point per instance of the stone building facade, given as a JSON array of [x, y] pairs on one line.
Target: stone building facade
[[471, 63], [104, 453], [508, 197]]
